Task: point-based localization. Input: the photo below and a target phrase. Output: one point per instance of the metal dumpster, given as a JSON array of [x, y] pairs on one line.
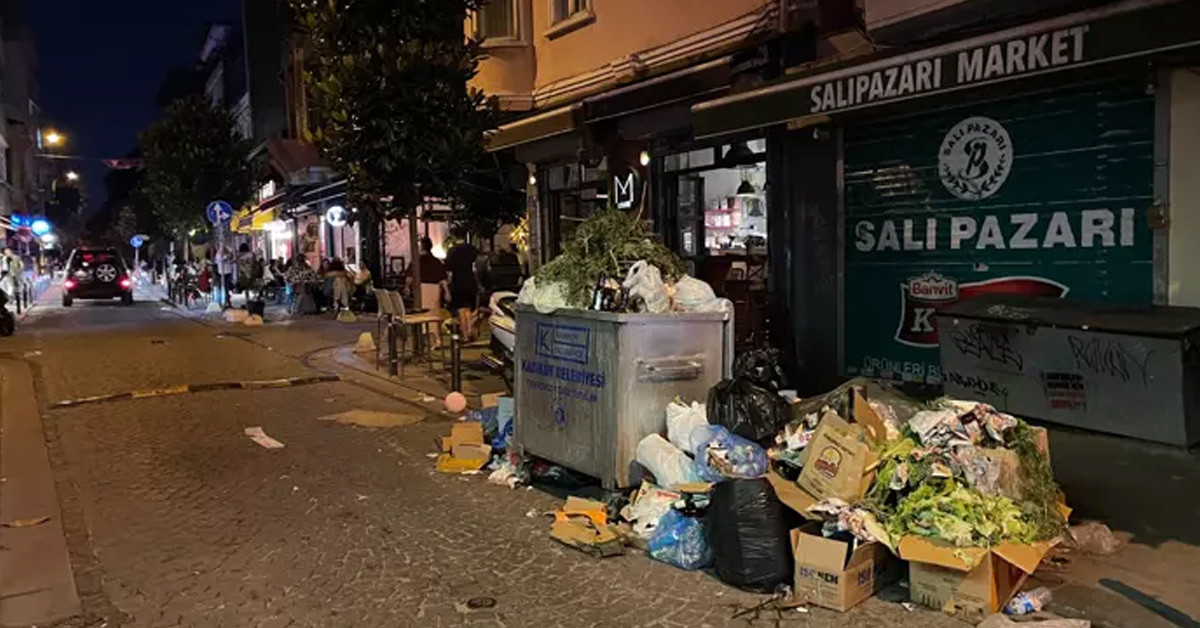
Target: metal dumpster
[[1127, 370], [591, 385]]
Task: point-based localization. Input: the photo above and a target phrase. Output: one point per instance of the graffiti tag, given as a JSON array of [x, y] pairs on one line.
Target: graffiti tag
[[1108, 358], [991, 344], [977, 385]]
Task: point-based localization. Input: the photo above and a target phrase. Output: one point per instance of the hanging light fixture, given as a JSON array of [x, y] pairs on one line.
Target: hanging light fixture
[[746, 188]]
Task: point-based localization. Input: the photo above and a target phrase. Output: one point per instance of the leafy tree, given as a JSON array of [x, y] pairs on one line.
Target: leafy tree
[[492, 194], [391, 107], [193, 156], [124, 226]]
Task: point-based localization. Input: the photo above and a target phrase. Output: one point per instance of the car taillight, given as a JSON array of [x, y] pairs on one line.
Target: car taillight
[[70, 283], [125, 283]]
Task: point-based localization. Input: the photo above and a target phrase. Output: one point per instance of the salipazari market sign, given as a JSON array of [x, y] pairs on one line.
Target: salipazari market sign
[[1005, 59], [1119, 31]]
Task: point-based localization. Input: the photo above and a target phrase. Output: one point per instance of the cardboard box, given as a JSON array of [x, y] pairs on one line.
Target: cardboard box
[[829, 575], [463, 450], [971, 581]]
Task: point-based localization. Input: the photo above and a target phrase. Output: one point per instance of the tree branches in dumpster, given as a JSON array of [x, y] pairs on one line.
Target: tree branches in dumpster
[[598, 248]]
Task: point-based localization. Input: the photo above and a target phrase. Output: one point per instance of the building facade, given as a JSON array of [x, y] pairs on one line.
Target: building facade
[[600, 92], [895, 155], [1025, 153]]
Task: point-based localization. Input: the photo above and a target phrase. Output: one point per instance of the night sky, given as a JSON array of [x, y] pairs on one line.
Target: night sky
[[101, 62]]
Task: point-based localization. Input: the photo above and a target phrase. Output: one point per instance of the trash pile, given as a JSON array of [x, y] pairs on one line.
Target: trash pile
[[820, 501], [959, 491]]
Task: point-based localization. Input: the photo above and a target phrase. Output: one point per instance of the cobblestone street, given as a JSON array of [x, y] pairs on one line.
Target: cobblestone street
[[174, 517]]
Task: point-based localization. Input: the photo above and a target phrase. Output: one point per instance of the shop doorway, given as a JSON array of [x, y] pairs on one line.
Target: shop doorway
[[715, 219]]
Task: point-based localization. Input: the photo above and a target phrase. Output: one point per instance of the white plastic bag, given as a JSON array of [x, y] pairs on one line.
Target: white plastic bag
[[645, 280], [648, 507], [695, 295], [544, 298], [670, 466], [682, 421]]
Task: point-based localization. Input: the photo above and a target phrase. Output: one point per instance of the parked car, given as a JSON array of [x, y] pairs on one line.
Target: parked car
[[97, 274]]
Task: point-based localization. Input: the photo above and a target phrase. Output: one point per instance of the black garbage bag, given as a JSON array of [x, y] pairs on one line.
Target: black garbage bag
[[761, 366], [750, 411], [748, 532]]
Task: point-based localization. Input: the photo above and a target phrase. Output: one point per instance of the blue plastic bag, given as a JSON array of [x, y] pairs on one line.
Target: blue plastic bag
[[500, 442], [487, 416], [679, 540], [723, 455]]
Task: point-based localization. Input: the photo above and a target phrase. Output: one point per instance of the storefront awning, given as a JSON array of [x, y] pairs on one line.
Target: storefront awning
[[536, 127], [255, 218], [694, 82], [291, 156], [1125, 30]]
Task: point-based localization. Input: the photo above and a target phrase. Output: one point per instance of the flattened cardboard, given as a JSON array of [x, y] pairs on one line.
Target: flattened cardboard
[[463, 433], [580, 533], [839, 462], [863, 413], [464, 450], [583, 524], [825, 577], [791, 495], [589, 509]]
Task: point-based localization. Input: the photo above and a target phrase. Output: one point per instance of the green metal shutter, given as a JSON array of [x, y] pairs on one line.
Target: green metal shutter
[[1043, 194]]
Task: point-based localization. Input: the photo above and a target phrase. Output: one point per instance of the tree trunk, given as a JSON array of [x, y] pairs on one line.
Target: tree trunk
[[414, 247], [370, 245]]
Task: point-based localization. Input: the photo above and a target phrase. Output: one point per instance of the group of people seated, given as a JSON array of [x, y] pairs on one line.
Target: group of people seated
[[333, 285]]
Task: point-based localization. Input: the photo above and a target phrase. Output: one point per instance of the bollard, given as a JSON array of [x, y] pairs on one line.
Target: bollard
[[393, 358], [455, 362]]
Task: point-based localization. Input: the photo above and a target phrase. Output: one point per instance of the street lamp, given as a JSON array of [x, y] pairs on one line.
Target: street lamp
[[52, 138], [72, 175]]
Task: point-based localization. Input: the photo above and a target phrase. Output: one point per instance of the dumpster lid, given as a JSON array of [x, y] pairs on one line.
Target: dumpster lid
[[1141, 320]]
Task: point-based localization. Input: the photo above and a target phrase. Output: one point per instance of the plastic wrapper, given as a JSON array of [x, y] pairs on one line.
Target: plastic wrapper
[[721, 456], [683, 421], [747, 410], [669, 465], [645, 280], [892, 405], [648, 508], [544, 298], [1094, 537], [680, 540], [841, 517], [747, 527], [695, 295]]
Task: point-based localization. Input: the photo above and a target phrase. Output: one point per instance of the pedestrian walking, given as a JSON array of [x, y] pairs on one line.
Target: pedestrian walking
[[464, 285]]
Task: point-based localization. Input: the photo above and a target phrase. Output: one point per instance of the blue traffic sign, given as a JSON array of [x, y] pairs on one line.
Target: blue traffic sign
[[136, 241], [219, 212]]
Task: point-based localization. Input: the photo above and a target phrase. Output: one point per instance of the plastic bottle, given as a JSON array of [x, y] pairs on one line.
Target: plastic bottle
[[1028, 602]]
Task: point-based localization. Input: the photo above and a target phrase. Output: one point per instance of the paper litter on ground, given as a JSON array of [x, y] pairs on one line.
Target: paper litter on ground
[[257, 435]]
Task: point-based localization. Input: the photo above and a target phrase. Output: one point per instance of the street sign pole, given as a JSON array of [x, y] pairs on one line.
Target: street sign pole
[[219, 213]]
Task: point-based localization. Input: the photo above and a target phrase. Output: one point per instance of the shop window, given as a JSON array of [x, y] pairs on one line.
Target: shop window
[[570, 194], [568, 15], [496, 20], [716, 204]]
